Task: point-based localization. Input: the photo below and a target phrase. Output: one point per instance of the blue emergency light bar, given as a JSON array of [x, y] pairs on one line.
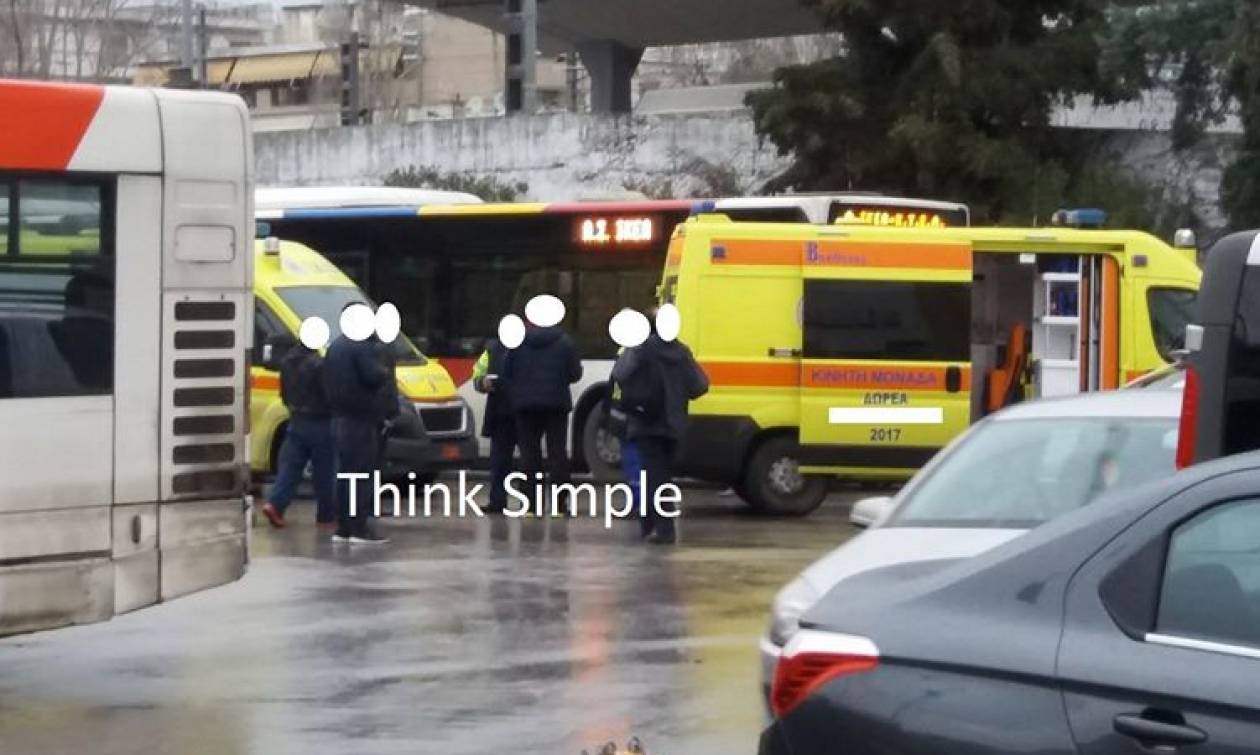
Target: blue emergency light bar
[[1083, 218], [705, 207]]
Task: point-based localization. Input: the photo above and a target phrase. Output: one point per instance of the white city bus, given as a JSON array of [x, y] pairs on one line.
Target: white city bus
[[454, 269], [126, 239]]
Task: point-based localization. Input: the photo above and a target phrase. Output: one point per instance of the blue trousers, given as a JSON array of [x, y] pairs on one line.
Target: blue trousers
[[358, 444], [307, 440], [631, 465], [502, 454]]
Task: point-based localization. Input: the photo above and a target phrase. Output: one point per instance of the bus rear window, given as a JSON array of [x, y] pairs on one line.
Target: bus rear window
[[887, 320], [1171, 310]]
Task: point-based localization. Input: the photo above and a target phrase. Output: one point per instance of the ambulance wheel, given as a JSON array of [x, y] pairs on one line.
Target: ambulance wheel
[[601, 449], [774, 484]]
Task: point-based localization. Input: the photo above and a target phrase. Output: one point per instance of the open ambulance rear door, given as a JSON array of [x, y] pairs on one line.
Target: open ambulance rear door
[[886, 353]]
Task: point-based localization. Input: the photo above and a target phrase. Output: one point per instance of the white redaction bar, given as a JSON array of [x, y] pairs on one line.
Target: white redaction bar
[[843, 415]]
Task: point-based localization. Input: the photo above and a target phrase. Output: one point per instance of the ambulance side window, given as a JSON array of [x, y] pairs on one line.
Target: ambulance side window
[[1171, 310], [266, 325], [887, 320]]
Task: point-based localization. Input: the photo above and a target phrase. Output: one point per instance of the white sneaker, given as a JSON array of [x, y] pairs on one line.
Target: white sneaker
[[370, 539], [340, 539]]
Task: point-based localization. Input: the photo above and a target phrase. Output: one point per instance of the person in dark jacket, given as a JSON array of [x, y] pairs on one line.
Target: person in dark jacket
[[499, 423], [363, 396], [670, 368], [308, 438], [539, 373]]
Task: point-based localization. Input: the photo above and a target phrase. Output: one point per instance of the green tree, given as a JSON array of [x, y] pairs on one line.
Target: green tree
[[943, 99], [1208, 52], [1240, 187]]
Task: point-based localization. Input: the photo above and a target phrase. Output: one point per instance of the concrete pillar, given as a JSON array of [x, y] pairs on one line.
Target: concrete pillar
[[611, 67]]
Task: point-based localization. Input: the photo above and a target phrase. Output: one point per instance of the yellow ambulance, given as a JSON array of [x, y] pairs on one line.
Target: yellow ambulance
[[434, 429], [859, 352]]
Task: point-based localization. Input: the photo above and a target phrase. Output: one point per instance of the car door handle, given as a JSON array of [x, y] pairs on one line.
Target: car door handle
[[1152, 733], [785, 353]]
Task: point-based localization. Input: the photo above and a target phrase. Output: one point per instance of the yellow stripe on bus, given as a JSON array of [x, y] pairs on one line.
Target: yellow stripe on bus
[[527, 208]]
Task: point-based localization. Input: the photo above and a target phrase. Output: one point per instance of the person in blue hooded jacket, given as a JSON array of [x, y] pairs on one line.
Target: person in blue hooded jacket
[[539, 373]]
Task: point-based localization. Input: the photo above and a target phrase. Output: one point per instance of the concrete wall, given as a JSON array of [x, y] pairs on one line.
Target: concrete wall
[[567, 156], [561, 156]]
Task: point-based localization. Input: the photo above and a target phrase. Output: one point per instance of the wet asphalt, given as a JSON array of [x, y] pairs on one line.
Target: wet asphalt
[[461, 636]]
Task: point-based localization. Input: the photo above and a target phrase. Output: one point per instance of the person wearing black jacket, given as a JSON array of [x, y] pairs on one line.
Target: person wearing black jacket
[[539, 373], [308, 438], [667, 375], [363, 396], [499, 423]]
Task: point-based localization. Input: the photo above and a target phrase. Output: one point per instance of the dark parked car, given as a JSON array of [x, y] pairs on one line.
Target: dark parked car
[[1119, 629]]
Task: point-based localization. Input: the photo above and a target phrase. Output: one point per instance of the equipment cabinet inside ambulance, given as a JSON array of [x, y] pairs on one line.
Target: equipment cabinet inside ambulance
[[292, 282], [859, 352]]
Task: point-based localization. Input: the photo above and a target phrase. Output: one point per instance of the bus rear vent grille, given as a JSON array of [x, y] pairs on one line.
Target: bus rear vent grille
[[205, 401]]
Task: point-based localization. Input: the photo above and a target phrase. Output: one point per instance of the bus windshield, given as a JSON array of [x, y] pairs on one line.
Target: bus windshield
[[326, 302]]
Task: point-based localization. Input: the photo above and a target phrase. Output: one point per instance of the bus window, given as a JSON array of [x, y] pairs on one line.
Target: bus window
[[56, 292], [1171, 310]]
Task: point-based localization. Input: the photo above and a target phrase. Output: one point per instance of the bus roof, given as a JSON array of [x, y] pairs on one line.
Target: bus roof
[[800, 200], [281, 202]]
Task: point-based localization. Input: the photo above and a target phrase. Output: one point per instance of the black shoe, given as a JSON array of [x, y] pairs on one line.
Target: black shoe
[[661, 538], [494, 508]]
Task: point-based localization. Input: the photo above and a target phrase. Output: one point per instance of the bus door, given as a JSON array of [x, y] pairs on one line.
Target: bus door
[[886, 357], [1099, 323]]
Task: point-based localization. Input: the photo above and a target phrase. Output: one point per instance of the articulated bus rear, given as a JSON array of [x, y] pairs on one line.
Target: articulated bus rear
[[454, 270], [125, 269]]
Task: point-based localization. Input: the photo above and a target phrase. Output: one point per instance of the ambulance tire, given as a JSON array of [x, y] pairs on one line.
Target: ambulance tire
[[596, 448], [773, 486]]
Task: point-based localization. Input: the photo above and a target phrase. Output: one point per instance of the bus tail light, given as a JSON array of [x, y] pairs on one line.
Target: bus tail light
[[812, 659], [1187, 432]]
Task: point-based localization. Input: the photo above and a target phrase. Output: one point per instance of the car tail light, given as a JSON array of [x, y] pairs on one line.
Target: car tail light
[[813, 658], [1187, 432]]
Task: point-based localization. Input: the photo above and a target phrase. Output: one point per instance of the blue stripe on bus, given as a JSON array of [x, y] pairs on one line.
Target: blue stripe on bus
[[351, 212]]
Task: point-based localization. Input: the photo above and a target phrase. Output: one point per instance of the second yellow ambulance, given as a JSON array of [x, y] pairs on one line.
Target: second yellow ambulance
[[859, 352], [434, 429]]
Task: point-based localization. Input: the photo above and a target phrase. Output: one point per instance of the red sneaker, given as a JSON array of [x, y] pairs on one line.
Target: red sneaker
[[273, 515]]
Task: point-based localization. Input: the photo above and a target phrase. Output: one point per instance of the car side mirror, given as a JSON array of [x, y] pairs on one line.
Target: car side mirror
[[274, 350], [870, 511]]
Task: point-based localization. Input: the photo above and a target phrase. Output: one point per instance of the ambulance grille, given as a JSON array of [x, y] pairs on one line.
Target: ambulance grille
[[204, 406]]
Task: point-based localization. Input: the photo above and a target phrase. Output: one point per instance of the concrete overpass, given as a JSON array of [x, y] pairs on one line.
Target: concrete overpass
[[610, 35]]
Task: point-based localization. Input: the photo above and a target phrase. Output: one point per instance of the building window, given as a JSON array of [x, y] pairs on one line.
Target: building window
[[56, 288]]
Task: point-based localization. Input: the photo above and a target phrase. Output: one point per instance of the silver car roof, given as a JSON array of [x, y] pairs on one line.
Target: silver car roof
[[1153, 403]]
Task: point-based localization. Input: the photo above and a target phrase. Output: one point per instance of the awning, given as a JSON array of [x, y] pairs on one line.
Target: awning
[[285, 67], [157, 75]]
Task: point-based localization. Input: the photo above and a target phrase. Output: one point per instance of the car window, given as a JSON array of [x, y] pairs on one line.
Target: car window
[[1020, 473], [1211, 588]]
